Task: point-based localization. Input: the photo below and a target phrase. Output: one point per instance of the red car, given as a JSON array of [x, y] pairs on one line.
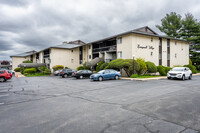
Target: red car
[[4, 76]]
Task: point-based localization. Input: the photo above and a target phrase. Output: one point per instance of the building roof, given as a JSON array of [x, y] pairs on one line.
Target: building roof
[[24, 54], [142, 31]]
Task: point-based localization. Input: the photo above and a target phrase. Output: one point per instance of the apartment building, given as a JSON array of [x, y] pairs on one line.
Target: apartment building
[[142, 42]]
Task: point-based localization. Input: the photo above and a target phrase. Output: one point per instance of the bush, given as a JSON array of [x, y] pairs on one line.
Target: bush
[[103, 66], [190, 62], [30, 70], [41, 69], [161, 70], [66, 67], [17, 69], [192, 68], [151, 67], [142, 68], [47, 71], [98, 66], [116, 64], [167, 69], [57, 67], [80, 68], [27, 61]]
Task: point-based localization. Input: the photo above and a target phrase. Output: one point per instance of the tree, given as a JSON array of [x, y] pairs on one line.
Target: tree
[[171, 25], [190, 30], [5, 63]]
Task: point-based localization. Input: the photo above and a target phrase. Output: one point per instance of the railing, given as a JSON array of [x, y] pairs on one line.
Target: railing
[[108, 48], [46, 56]]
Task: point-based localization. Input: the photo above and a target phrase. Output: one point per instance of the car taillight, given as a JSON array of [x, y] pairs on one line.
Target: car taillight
[[74, 73], [61, 72]]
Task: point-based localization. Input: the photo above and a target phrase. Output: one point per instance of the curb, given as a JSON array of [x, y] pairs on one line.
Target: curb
[[156, 78]]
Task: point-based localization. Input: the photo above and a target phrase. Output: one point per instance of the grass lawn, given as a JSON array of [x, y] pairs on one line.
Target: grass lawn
[[144, 76], [37, 75]]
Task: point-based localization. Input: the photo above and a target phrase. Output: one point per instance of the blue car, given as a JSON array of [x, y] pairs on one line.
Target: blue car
[[106, 74]]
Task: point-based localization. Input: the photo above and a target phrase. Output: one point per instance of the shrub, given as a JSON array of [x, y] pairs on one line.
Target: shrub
[[66, 67], [80, 68], [142, 68], [190, 62], [98, 66], [134, 75], [30, 70], [116, 64], [151, 67], [167, 69], [42, 68], [161, 70], [17, 69], [103, 66], [57, 67], [47, 71], [27, 61], [192, 68]]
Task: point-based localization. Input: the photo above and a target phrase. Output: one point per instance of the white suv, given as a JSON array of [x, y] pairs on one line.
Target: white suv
[[180, 73]]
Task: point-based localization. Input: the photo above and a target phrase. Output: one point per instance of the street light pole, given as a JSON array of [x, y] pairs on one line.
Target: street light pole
[[133, 64]]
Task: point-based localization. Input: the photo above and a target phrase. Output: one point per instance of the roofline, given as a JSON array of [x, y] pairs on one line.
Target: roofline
[[136, 32]]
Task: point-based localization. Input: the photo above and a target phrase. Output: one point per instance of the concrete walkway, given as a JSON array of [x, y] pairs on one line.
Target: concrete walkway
[[18, 75], [154, 78]]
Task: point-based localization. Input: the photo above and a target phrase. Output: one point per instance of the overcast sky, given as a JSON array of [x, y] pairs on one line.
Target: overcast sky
[[36, 24]]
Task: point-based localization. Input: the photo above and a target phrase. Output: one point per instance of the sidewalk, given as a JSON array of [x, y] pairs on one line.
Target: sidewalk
[[19, 75], [156, 78]]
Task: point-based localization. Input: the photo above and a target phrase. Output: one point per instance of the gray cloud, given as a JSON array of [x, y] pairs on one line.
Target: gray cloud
[[37, 24]]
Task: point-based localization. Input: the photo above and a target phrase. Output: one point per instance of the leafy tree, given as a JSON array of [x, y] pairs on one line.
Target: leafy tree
[[5, 63], [170, 25], [190, 30]]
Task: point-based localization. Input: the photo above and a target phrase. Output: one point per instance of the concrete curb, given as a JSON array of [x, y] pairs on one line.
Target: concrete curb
[[156, 78]]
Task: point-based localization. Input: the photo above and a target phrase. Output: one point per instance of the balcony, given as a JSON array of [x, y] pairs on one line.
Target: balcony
[[107, 49]]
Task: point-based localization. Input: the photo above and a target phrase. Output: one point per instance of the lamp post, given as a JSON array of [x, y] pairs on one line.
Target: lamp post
[[133, 63]]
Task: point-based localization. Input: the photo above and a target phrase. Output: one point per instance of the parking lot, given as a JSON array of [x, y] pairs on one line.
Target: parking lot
[[60, 105]]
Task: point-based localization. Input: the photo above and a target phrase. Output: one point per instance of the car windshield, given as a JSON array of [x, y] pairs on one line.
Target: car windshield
[[101, 72], [2, 72], [178, 69]]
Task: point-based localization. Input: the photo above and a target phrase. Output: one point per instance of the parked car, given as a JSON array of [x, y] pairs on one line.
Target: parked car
[[56, 73], [9, 71], [106, 74], [180, 73], [4, 76], [82, 74], [66, 73]]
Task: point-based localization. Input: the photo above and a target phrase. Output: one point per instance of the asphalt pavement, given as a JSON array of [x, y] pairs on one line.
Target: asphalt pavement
[[57, 105]]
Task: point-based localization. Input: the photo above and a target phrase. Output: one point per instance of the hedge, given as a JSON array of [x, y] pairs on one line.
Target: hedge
[[161, 70], [151, 67], [57, 67], [98, 66], [17, 69], [27, 61], [30, 70], [192, 68], [80, 68]]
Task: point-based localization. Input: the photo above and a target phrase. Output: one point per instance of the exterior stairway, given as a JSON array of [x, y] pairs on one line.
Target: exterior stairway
[[95, 61]]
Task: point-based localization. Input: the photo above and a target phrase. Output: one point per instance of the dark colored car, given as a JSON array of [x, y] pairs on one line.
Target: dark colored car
[[4, 76], [66, 73], [82, 74], [106, 74]]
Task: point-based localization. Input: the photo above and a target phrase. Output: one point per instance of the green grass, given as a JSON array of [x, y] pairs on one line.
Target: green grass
[[144, 76], [36, 75]]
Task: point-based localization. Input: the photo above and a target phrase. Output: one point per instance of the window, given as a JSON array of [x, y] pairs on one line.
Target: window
[[72, 51], [119, 40], [120, 54], [89, 46], [89, 56], [151, 53], [72, 60], [175, 55]]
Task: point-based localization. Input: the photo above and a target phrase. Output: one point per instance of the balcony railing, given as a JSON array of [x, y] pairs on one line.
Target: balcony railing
[[46, 56], [108, 48]]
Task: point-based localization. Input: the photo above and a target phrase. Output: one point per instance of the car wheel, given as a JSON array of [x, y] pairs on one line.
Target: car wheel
[[190, 77], [100, 78], [81, 77], [65, 76], [2, 79], [183, 78], [116, 77]]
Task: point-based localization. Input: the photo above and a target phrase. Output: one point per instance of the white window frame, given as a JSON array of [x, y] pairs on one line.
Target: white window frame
[[119, 40], [119, 54]]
